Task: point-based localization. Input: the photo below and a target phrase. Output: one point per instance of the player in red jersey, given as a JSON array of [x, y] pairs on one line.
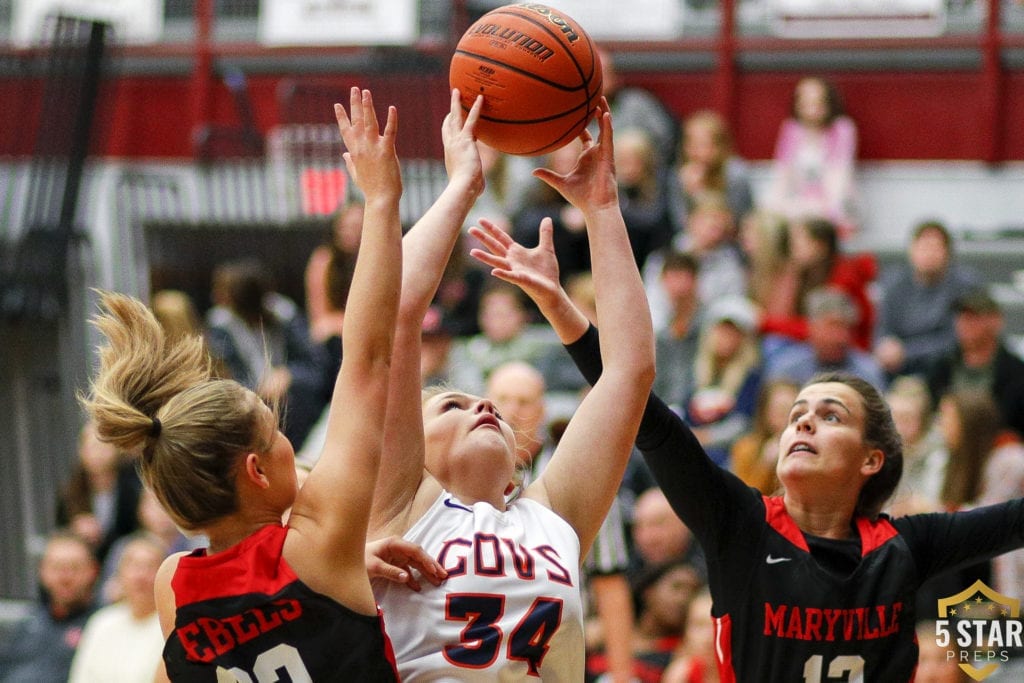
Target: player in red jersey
[[814, 585], [267, 597]]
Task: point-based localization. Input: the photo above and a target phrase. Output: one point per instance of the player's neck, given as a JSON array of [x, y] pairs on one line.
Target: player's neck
[[824, 519], [231, 531]]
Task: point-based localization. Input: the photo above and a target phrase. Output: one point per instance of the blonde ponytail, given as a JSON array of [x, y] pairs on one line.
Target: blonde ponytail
[[157, 397]]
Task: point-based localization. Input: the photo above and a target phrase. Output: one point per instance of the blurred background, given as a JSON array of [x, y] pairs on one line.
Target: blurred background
[[142, 142]]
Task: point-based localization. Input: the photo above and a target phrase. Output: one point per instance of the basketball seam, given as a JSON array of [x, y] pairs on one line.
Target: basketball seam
[[585, 87], [556, 36], [521, 72], [553, 145], [564, 112]]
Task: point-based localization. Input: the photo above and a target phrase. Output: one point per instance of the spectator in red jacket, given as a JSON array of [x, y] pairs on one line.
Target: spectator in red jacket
[[818, 260]]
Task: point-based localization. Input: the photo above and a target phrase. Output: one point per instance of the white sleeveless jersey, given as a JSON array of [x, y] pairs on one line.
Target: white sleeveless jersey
[[510, 609]]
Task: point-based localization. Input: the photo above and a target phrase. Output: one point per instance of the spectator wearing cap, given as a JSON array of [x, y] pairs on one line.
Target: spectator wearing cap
[[981, 359], [831, 320], [917, 300], [726, 376]]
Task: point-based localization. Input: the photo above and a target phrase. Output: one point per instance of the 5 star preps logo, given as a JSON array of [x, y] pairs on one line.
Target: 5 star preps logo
[[978, 627]]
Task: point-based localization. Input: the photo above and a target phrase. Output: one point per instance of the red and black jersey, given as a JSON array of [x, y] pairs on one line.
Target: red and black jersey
[[790, 606], [245, 612], [782, 615]]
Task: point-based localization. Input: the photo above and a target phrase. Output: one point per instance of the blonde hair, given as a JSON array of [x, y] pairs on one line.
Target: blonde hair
[[720, 135], [176, 313], [730, 376], [157, 396], [639, 142], [580, 288], [912, 387], [711, 201], [771, 256]]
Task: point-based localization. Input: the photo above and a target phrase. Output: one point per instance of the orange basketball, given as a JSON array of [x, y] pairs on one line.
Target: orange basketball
[[538, 72]]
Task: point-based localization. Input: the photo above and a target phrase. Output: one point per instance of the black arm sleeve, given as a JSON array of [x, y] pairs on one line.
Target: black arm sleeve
[[941, 541], [711, 501]]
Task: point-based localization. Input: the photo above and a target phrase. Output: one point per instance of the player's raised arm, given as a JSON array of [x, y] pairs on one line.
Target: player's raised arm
[[535, 271], [331, 511], [599, 438], [426, 249]]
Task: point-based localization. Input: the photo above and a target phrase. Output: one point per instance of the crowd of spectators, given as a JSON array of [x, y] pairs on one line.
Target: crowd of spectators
[[750, 296]]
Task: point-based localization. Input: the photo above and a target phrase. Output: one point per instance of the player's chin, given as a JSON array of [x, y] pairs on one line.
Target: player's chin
[[792, 471]]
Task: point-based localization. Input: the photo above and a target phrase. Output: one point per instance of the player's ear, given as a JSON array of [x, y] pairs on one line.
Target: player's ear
[[253, 472], [873, 462]]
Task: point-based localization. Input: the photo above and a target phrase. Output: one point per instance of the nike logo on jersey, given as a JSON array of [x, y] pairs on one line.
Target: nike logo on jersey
[[776, 560], [448, 502]]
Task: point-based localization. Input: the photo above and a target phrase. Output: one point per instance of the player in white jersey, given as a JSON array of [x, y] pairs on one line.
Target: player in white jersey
[[512, 594], [511, 606]]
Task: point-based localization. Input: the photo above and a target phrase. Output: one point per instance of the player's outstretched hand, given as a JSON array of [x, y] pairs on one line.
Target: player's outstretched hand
[[393, 558], [370, 154], [461, 156], [535, 270], [590, 185]]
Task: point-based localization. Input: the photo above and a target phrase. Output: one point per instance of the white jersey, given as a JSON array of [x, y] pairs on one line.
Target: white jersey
[[510, 609]]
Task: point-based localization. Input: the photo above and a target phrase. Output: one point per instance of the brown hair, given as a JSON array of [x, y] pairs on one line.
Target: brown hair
[[936, 226], [338, 281], [980, 423], [680, 260], [159, 397], [242, 285], [823, 232], [759, 425], [879, 432], [833, 99]]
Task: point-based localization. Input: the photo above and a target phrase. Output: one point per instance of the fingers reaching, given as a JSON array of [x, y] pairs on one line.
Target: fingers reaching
[[355, 107], [467, 122], [491, 236], [535, 269], [546, 241], [362, 116], [604, 123], [370, 156], [369, 115], [391, 125], [474, 115], [395, 559]]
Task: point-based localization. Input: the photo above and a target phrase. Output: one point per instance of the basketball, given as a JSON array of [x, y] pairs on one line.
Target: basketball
[[539, 74]]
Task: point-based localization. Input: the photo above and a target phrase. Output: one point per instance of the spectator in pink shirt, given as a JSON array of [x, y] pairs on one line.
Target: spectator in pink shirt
[[815, 157]]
